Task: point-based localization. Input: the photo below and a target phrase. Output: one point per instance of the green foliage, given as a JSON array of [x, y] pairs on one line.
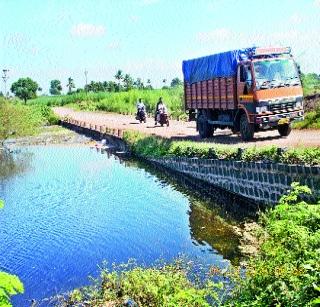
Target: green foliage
[[9, 285], [158, 147], [17, 120], [1, 203], [286, 272], [25, 88], [176, 82], [70, 85], [122, 102], [311, 120], [55, 87], [163, 285], [311, 83]]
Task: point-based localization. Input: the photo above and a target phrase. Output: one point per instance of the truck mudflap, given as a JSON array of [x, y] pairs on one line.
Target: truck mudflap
[[273, 121]]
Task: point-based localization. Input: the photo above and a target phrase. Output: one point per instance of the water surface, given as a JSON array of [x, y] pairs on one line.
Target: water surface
[[73, 207]]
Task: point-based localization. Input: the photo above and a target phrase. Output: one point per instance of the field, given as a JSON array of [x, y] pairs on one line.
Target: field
[[122, 102]]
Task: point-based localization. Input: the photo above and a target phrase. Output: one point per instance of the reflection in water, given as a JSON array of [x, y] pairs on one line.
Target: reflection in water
[[13, 162], [213, 211]]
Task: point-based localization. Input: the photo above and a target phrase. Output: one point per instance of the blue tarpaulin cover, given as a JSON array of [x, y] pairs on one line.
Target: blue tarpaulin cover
[[213, 66]]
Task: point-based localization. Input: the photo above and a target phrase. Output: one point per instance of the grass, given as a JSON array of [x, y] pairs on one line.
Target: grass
[[152, 146], [18, 120], [311, 121], [123, 102]]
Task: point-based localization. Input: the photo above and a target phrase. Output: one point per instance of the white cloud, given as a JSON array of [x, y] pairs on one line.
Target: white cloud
[[87, 30]]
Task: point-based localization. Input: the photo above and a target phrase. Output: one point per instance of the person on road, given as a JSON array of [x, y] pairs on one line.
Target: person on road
[[159, 108], [140, 106]]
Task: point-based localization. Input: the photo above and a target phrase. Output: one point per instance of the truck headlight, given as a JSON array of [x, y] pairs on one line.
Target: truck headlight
[[298, 104], [261, 109]]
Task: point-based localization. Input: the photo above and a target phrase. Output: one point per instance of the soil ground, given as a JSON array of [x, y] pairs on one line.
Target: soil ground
[[187, 130]]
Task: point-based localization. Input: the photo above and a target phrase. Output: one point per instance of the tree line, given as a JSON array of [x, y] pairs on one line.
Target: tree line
[[26, 88]]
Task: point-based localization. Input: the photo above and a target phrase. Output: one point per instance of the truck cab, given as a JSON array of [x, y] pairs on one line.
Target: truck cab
[[269, 92]]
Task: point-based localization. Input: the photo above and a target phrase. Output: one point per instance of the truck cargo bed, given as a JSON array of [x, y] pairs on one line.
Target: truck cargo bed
[[218, 93]]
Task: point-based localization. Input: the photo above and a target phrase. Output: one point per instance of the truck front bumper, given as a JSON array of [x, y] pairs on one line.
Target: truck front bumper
[[272, 121]]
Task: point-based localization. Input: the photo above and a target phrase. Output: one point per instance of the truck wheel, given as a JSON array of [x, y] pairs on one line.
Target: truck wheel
[[284, 130], [205, 129], [246, 129]]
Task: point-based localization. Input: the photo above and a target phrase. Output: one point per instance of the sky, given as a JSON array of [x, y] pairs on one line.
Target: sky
[[48, 40]]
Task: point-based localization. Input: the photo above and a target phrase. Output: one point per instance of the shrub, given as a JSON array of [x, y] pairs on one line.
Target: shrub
[[286, 272], [162, 285]]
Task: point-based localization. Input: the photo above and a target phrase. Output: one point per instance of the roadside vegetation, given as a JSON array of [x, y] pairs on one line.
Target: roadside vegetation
[[152, 146], [311, 120], [285, 271], [18, 120], [119, 102]]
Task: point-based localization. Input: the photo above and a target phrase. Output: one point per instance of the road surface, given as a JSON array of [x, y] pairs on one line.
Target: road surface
[[187, 130]]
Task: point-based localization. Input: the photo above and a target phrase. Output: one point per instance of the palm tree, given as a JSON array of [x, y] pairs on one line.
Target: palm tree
[[119, 77], [128, 81], [70, 84]]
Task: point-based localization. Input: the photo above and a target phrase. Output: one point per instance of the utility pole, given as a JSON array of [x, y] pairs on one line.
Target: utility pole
[[5, 77], [86, 74]]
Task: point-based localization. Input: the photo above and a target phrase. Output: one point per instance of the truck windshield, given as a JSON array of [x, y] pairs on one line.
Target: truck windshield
[[275, 73]]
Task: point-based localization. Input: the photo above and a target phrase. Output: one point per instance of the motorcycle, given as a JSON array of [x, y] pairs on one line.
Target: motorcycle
[[141, 116], [162, 118]]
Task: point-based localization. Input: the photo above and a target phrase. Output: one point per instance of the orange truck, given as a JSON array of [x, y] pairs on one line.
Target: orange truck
[[245, 90]]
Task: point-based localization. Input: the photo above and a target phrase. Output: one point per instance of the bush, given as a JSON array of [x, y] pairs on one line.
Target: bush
[[286, 272], [162, 285]]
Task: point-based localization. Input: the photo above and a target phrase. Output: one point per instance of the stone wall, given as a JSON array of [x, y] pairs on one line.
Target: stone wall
[[263, 182], [260, 181]]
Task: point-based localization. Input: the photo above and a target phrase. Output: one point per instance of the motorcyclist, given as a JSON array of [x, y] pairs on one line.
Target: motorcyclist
[[159, 109], [140, 107]]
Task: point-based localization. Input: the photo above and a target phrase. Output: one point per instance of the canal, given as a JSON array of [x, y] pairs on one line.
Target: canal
[[69, 208]]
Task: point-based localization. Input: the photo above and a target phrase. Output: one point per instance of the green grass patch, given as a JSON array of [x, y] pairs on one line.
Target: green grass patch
[[18, 120], [311, 120], [120, 102], [152, 146]]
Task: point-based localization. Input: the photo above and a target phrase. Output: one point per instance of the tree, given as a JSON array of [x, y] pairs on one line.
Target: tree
[[164, 81], [119, 76], [138, 84], [176, 82], [25, 88], [128, 82], [55, 87], [149, 86], [70, 84]]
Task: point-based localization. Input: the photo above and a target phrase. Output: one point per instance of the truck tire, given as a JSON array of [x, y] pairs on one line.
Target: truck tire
[[284, 130], [205, 129], [246, 129]]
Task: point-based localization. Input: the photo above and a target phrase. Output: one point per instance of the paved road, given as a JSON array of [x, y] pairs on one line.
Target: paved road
[[186, 130]]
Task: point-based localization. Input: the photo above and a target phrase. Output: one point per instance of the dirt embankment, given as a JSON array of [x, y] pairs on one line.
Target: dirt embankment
[[187, 130]]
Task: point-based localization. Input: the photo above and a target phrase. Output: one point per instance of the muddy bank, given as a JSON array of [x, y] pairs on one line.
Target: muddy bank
[[49, 135]]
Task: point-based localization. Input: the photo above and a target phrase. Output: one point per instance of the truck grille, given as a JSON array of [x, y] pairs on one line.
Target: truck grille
[[282, 107]]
